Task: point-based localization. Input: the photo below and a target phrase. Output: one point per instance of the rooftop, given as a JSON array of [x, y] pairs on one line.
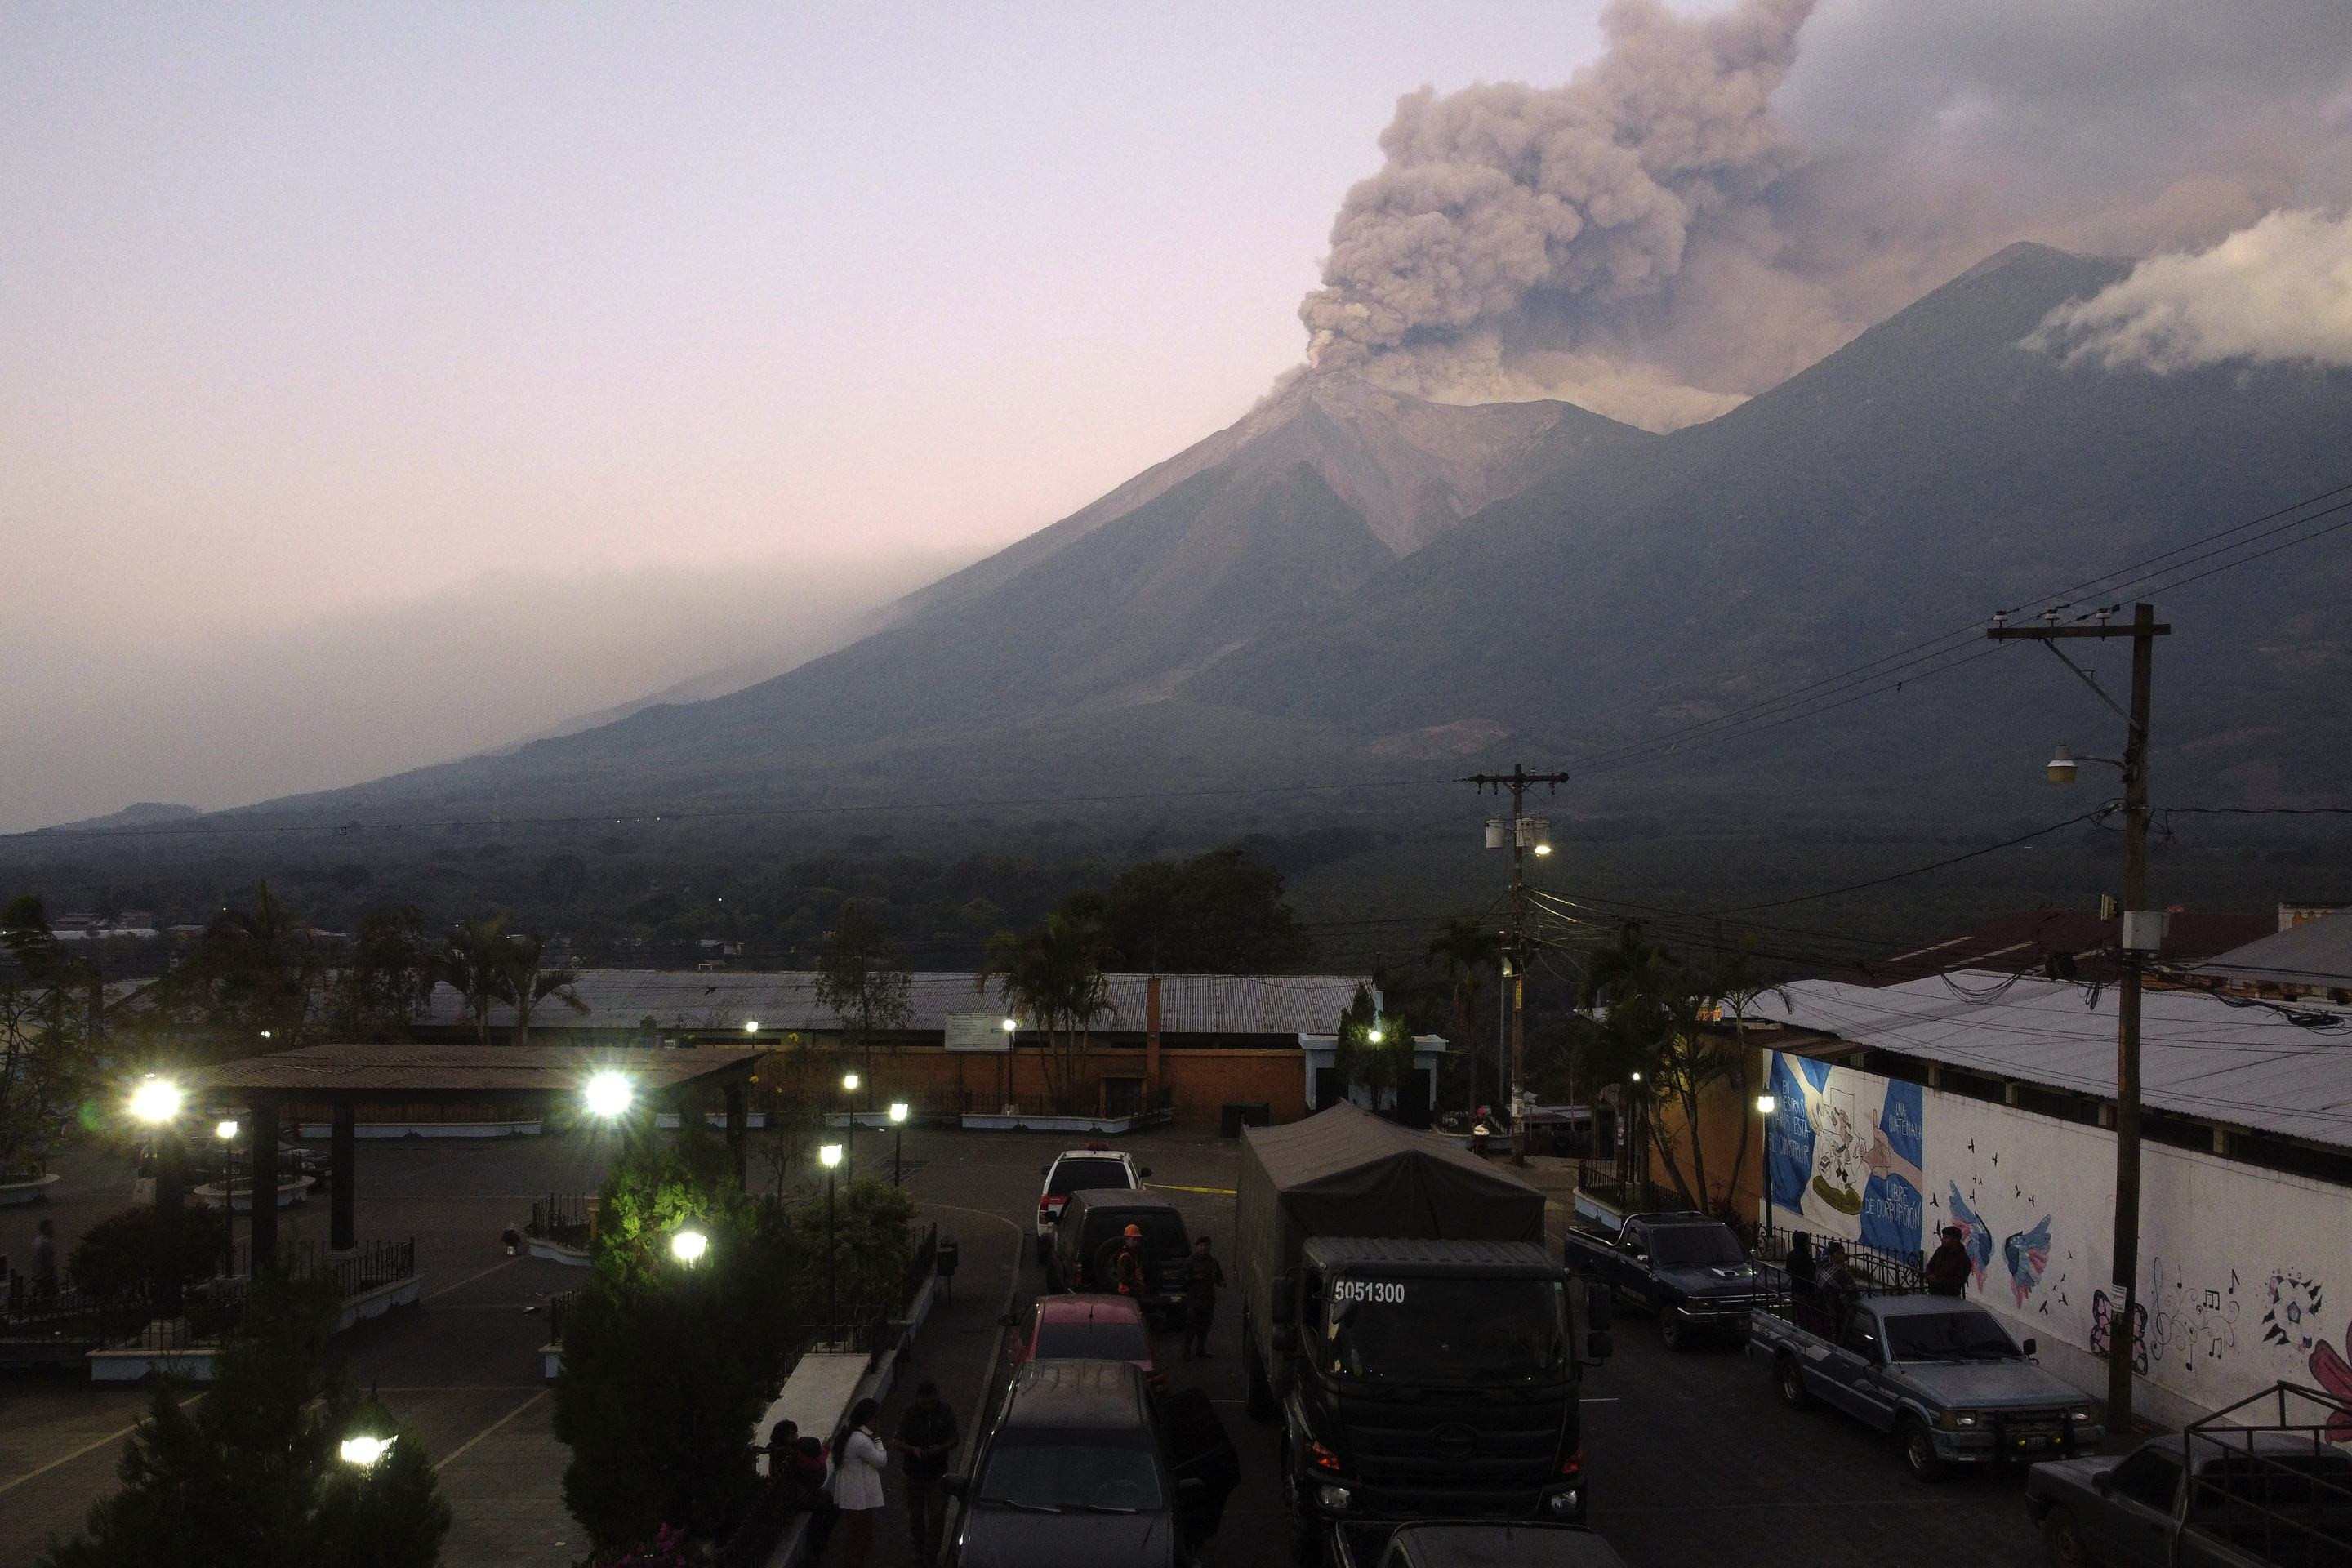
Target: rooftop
[[711, 1002], [2315, 954], [2200, 1055], [2075, 943]]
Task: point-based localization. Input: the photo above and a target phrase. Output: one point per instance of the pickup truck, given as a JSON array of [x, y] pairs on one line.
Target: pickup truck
[[2256, 1499], [1944, 1376], [1689, 1269]]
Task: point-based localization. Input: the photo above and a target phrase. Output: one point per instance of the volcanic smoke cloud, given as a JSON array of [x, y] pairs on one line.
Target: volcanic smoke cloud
[[1670, 232]]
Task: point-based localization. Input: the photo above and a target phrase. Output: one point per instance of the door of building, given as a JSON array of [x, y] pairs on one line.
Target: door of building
[[1122, 1095], [1330, 1089], [1412, 1097]]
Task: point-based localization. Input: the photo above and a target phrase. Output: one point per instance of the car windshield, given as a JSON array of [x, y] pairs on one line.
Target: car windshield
[[1946, 1336], [1092, 1342], [1416, 1330], [1695, 1247], [1072, 1475], [1076, 1176]]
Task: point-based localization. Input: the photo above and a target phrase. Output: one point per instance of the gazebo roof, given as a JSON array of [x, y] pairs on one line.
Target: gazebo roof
[[528, 1073]]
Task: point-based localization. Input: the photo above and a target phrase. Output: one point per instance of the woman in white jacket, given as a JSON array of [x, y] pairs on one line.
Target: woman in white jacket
[[857, 1483]]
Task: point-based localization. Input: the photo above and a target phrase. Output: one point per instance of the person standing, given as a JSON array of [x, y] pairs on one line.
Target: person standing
[[1947, 1270], [857, 1469], [1128, 1266], [1202, 1277], [1839, 1292], [45, 1262], [927, 1435]]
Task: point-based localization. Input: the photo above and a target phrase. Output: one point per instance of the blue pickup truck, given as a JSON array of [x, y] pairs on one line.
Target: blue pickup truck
[[1944, 1376], [1689, 1269]]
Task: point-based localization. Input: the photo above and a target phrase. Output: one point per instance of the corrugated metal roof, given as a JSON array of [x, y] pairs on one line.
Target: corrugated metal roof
[[787, 1000], [327, 1071], [2317, 954], [2246, 1067]]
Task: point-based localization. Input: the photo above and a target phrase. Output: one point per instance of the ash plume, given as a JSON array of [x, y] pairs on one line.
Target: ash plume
[[1719, 201]]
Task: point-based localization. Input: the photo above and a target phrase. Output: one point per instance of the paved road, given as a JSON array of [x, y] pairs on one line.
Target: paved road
[[1692, 1458]]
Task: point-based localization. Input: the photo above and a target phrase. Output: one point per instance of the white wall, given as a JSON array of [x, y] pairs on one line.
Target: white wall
[[2246, 1275]]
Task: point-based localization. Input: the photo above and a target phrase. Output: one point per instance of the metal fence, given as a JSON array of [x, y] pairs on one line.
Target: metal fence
[[209, 1308], [2267, 1476], [560, 1217]]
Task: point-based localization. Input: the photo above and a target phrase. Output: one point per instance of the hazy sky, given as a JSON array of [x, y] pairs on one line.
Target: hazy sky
[[327, 332]]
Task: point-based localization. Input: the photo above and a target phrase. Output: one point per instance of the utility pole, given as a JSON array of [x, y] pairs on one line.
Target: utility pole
[[1522, 833], [2142, 937]]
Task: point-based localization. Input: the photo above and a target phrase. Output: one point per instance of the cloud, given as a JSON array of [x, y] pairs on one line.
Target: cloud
[[1719, 200], [2279, 289]]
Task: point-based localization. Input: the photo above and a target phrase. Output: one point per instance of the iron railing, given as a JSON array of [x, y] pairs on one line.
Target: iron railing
[[2267, 1476], [209, 1308], [561, 1218]]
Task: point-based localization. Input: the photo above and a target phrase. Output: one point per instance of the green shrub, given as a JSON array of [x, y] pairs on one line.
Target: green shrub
[[121, 1255]]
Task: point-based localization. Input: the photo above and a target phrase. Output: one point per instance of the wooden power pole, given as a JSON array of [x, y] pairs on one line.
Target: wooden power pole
[[1521, 832], [2143, 936]]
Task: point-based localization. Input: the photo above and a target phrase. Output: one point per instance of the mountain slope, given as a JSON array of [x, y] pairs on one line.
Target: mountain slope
[[1927, 473]]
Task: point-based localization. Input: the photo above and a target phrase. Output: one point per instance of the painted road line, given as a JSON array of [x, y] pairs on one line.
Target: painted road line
[[465, 1447], [85, 1448], [469, 1279], [1172, 1187]]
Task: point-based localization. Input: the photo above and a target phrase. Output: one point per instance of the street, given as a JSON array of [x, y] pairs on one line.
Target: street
[[1691, 1458]]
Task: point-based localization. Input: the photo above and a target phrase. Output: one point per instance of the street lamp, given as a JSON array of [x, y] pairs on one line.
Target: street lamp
[[225, 1131], [898, 1137], [1012, 1026], [155, 1102], [608, 1093], [687, 1245], [751, 1026], [1637, 1075], [849, 1082], [1766, 1104], [361, 1450], [1374, 1034], [829, 1155]]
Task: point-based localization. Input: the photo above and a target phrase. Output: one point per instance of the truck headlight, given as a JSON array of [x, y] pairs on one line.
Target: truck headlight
[[2085, 1414], [1336, 1499], [1958, 1420], [1562, 1504]]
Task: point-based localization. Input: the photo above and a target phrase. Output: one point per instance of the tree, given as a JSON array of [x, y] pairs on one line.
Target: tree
[[385, 979], [250, 1477], [525, 981], [1464, 951], [1051, 974], [473, 962], [124, 1253], [255, 973], [861, 976], [1218, 913], [47, 1060], [667, 1365]]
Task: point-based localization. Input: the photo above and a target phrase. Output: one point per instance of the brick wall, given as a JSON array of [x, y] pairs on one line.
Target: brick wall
[[939, 1082]]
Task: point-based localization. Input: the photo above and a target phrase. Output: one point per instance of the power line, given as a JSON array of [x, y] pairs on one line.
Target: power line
[[1932, 866]]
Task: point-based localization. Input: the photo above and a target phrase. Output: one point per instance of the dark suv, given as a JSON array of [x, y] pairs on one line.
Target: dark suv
[[1094, 1223], [1074, 1474]]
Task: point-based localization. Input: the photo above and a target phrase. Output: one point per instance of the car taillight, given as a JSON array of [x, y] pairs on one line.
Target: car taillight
[[1573, 1464], [1320, 1456], [1051, 1205]]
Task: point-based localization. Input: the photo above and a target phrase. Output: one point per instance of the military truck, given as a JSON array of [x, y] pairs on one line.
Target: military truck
[[1402, 1319]]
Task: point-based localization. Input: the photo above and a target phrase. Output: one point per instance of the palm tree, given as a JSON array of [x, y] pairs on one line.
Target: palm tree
[[1052, 973], [473, 962], [1463, 951], [253, 975], [526, 984]]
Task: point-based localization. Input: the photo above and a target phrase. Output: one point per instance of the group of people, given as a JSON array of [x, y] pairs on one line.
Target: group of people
[[1124, 1272], [843, 1488], [1823, 1284]]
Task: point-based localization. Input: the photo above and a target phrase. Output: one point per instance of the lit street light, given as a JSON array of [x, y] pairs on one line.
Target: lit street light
[[688, 1246], [608, 1093], [829, 1155], [363, 1450], [155, 1102], [1374, 1035], [1766, 1105], [751, 1026], [849, 1082], [225, 1131], [898, 1137]]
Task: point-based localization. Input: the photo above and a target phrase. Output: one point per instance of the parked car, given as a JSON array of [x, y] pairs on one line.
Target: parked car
[[1090, 1328], [2255, 1499], [1075, 1472], [1092, 1229], [1944, 1376], [1095, 1165], [1470, 1543], [1689, 1269]]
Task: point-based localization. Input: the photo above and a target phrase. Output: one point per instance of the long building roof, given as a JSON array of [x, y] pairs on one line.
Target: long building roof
[[706, 1002], [2317, 954], [2201, 1056]]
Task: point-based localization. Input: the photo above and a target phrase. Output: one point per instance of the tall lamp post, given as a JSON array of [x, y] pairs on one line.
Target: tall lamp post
[[898, 1139], [829, 1155], [849, 1082], [225, 1131], [2142, 939], [155, 1103]]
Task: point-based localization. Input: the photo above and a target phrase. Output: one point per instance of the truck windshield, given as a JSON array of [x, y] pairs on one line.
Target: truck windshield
[[1695, 1247], [1946, 1336], [1418, 1329]]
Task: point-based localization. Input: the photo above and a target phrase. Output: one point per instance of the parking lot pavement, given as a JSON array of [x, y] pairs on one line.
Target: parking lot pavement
[[1691, 1457]]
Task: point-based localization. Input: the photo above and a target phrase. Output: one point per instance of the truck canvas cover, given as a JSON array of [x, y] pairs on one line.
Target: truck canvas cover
[[1346, 1172]]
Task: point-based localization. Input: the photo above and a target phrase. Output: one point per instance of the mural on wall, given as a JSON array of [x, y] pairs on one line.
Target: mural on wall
[[2335, 1376], [2237, 1264], [1844, 1154]]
